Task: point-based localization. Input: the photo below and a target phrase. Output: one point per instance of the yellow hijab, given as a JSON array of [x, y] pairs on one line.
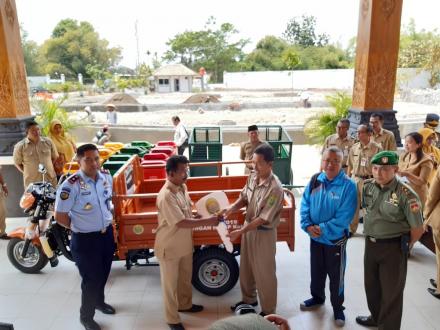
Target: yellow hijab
[[431, 150], [63, 142]]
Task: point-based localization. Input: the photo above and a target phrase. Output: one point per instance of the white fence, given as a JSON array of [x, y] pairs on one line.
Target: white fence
[[304, 79]]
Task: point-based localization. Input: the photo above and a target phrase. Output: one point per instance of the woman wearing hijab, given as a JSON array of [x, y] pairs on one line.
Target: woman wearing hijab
[[429, 148], [64, 143]]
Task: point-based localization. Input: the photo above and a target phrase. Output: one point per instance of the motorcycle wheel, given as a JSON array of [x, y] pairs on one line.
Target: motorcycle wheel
[[34, 261]]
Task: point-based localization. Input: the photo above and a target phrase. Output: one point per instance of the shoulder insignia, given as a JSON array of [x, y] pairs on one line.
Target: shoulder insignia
[[105, 171], [73, 179], [369, 181]]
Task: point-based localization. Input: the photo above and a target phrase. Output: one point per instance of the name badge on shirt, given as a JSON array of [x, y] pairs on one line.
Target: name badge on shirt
[[363, 161], [88, 206]]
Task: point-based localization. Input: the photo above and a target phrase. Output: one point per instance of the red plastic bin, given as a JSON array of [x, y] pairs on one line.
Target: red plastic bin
[[156, 156], [170, 151], [154, 169], [166, 144]]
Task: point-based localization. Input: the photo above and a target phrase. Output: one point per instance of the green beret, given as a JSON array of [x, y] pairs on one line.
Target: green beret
[[385, 158]]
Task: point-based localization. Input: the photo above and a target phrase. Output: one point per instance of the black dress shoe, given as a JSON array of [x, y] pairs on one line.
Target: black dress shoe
[[366, 321], [105, 308], [433, 283], [193, 309], [434, 293], [176, 326], [234, 307], [263, 314], [5, 237], [89, 324]]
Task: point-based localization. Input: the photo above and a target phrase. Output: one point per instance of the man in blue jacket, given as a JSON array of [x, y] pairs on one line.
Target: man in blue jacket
[[327, 208]]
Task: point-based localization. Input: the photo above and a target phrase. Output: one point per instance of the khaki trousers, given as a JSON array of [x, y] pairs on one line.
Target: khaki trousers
[[436, 237], [258, 267], [355, 222], [175, 277], [2, 213]]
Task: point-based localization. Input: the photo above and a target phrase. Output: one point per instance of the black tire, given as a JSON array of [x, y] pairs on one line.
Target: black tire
[[35, 259], [215, 271]]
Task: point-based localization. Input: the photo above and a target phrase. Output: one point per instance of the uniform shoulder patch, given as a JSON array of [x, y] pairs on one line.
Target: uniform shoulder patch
[[73, 179], [105, 171]]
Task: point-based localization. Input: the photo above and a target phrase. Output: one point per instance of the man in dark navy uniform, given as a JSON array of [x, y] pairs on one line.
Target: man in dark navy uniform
[[84, 205]]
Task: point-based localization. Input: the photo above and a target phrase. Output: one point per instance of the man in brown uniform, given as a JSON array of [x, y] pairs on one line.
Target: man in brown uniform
[[3, 195], [341, 140], [247, 148], [174, 245], [392, 224], [32, 151], [359, 166], [382, 136], [263, 197]]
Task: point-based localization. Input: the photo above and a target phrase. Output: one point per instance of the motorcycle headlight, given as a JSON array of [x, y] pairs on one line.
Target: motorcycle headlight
[[27, 200]]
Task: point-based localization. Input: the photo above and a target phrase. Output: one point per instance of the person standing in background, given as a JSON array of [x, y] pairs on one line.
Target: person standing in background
[[247, 148], [180, 135], [3, 194], [111, 114], [64, 143]]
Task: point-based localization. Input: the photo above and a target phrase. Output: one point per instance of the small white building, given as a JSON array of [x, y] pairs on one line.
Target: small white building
[[174, 78]]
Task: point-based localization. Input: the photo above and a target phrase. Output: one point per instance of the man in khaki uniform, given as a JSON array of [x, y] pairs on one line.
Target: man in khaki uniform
[[432, 216], [247, 148], [3, 195], [32, 151], [263, 197], [381, 136], [359, 166], [174, 245], [393, 222], [341, 140]]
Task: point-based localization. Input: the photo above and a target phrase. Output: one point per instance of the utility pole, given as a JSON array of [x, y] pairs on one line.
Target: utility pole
[[137, 46]]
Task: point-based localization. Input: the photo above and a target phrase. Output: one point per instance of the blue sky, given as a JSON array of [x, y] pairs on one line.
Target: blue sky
[[158, 21]]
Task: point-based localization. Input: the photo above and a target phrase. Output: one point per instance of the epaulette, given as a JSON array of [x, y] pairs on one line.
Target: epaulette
[[369, 181], [406, 189], [105, 171], [73, 179]]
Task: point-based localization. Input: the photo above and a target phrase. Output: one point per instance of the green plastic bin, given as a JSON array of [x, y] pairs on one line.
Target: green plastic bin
[[113, 166], [205, 145], [281, 142], [133, 150], [143, 144], [119, 157]]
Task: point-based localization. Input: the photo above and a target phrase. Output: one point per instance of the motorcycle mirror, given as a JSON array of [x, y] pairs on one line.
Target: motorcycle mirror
[[42, 169]]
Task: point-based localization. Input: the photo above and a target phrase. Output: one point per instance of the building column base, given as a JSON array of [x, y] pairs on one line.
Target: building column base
[[359, 117], [12, 130]]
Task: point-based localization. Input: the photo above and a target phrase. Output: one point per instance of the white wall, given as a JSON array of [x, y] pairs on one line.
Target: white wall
[[185, 85], [303, 79]]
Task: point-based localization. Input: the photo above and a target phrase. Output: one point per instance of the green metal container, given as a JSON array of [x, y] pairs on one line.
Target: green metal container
[[281, 142], [205, 145], [133, 150]]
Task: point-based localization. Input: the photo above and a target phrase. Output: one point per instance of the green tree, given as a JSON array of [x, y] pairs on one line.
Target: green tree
[[301, 31], [74, 47], [211, 48], [48, 110], [420, 49], [31, 53], [267, 55]]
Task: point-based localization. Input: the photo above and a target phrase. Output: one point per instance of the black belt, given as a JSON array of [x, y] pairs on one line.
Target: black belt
[[364, 177], [384, 240], [263, 228], [91, 233]]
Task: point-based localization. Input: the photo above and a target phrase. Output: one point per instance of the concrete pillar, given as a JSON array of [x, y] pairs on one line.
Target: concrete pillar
[[376, 63]]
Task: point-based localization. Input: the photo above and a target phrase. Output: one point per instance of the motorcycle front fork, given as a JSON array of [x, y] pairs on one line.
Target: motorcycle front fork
[[31, 232]]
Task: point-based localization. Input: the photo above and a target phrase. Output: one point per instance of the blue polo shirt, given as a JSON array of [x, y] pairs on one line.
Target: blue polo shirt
[[88, 202]]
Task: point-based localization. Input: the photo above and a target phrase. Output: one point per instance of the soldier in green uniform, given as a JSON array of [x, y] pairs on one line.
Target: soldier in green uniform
[[392, 224]]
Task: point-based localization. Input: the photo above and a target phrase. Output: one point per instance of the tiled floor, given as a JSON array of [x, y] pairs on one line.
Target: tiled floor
[[50, 300]]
